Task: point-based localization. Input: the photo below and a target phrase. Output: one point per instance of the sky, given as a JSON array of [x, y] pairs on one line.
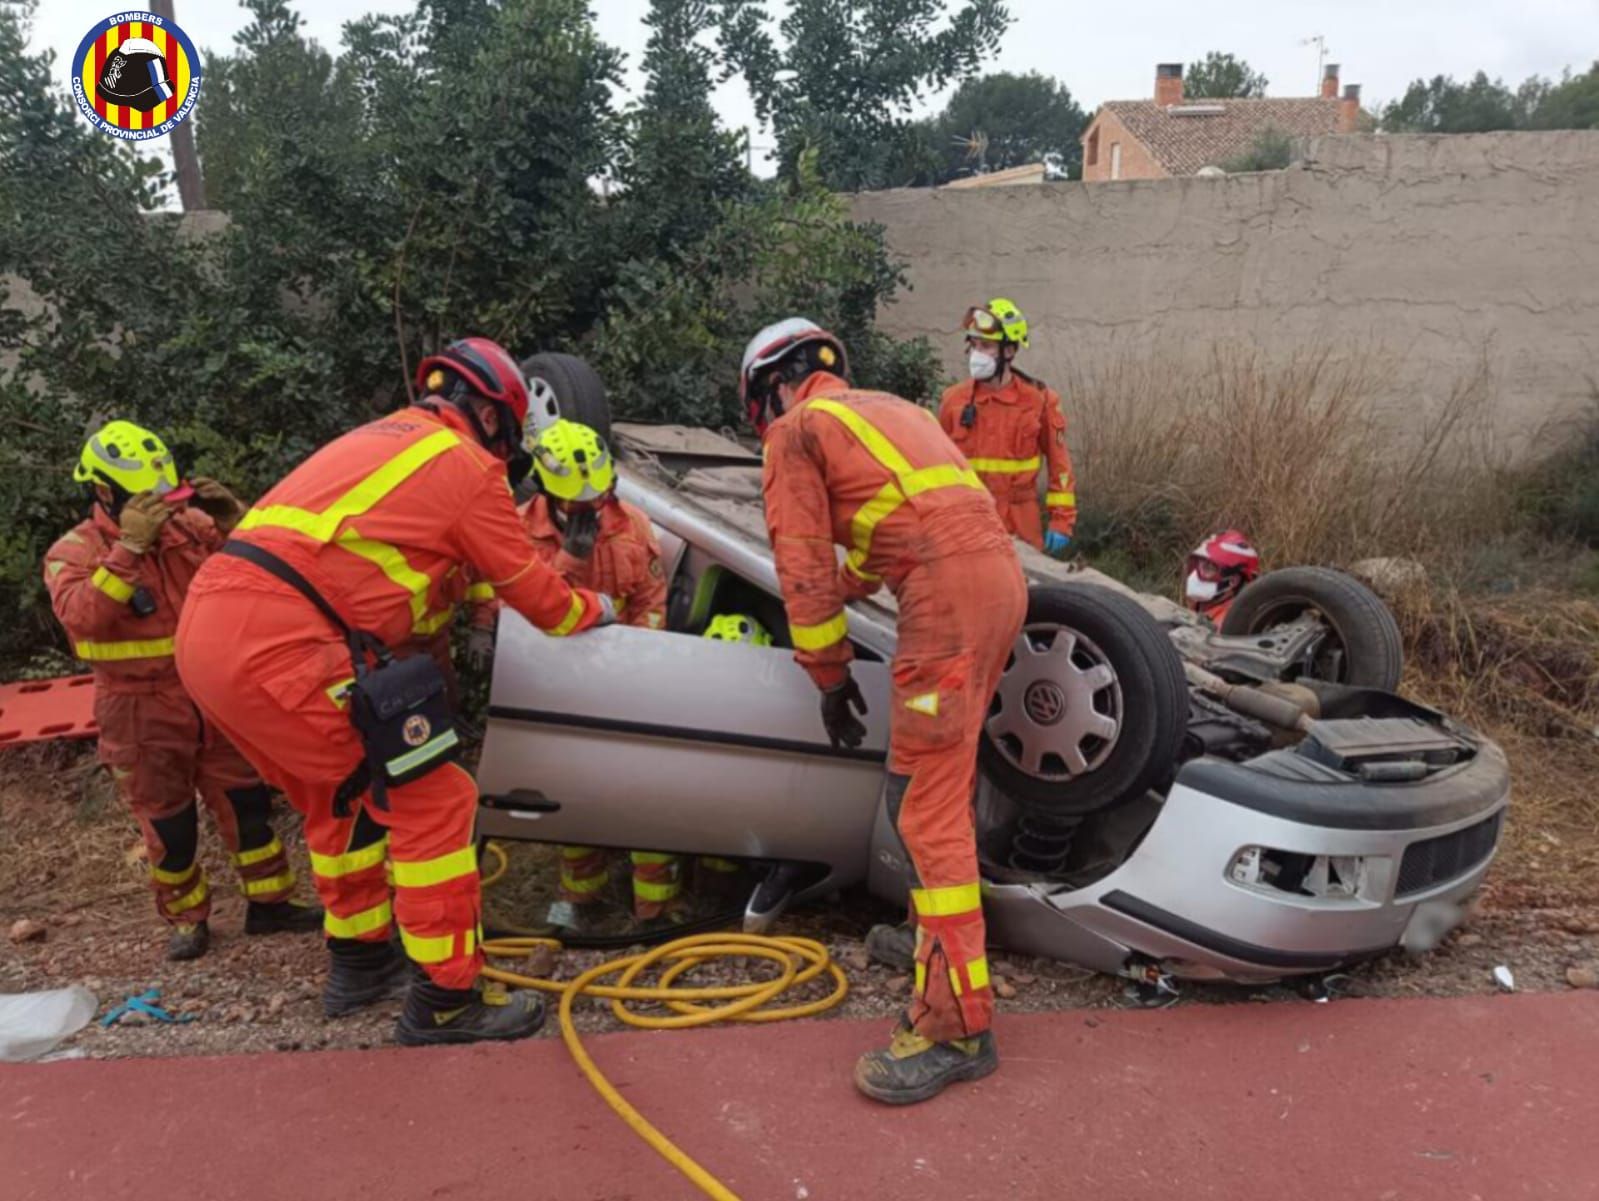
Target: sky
[[1380, 44]]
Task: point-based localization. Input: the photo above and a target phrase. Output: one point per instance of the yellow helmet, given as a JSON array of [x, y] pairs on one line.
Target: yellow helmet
[[573, 462], [997, 321], [738, 627], [130, 459]]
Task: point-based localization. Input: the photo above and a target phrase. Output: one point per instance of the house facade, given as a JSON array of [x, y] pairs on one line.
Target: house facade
[[1172, 135]]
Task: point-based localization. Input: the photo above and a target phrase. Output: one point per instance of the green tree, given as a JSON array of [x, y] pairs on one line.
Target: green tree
[[1006, 120], [1571, 104], [1220, 76], [1443, 105], [436, 178], [841, 76]]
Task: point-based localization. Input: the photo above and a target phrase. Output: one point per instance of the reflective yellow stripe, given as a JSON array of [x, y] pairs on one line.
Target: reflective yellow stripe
[[423, 949], [1006, 466], [947, 902], [183, 877], [339, 694], [281, 882], [259, 855], [434, 623], [1060, 500], [977, 972], [436, 871], [649, 890], [921, 977], [578, 852], [820, 637], [333, 866], [368, 921], [324, 525], [869, 436], [480, 592], [652, 858], [394, 565], [431, 749], [117, 588], [583, 885], [908, 481], [102, 652], [569, 622], [198, 895], [859, 572]]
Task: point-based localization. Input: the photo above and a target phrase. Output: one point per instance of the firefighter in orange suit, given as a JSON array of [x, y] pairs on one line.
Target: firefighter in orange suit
[[581, 528], [876, 475], [117, 582], [1009, 425], [372, 524]]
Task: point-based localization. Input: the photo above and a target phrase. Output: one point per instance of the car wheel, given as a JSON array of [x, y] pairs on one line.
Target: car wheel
[[1363, 647], [563, 385], [1092, 706]]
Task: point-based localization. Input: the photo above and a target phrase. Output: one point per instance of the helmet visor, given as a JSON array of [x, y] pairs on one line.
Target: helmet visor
[[983, 323]]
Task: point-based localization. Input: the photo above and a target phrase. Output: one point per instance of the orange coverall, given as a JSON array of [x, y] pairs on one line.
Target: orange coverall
[[626, 566], [152, 738], [1010, 433], [374, 521], [875, 474]]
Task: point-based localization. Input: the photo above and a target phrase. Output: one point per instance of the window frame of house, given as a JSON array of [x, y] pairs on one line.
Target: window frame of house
[[1091, 156], [1115, 160]]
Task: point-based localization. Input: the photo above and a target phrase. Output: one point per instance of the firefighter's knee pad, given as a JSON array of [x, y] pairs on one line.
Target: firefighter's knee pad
[[252, 810], [180, 838]]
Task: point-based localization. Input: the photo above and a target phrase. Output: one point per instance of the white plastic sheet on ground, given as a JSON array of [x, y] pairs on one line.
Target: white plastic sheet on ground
[[32, 1023]]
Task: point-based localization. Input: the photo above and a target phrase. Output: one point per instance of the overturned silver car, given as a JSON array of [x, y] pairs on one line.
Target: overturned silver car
[[1157, 798]]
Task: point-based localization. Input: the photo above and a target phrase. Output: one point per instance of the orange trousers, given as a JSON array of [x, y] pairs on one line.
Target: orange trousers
[[266, 668], [160, 755], [959, 618]]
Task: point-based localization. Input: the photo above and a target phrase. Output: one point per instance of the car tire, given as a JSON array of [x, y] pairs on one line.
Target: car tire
[[1150, 703], [563, 385], [1373, 654]]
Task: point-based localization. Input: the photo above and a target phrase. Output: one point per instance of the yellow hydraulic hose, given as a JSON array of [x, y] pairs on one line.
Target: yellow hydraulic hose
[[800, 960]]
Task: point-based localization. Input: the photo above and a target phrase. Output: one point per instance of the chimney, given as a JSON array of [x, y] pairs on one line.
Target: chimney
[[1168, 84], [1349, 109], [1329, 82]]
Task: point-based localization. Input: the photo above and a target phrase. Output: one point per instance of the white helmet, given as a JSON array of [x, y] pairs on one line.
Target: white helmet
[[774, 344]]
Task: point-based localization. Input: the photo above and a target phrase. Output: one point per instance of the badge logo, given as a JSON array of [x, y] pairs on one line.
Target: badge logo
[[136, 76], [416, 730]]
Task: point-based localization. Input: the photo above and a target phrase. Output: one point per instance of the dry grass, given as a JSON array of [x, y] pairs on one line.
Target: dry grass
[[1292, 452]]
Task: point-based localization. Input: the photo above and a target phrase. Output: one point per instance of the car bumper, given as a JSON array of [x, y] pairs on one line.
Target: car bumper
[[1191, 897]]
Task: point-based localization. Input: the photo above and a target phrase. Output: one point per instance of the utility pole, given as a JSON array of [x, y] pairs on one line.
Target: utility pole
[[191, 185]]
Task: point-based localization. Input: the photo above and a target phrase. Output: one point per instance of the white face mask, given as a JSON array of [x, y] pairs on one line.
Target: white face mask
[[1199, 591], [982, 366]]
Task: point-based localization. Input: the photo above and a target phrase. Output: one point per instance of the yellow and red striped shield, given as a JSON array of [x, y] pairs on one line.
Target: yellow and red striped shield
[[136, 76]]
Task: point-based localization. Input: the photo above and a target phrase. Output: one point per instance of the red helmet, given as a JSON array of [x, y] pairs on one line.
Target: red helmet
[[776, 346], [482, 367], [1218, 567]]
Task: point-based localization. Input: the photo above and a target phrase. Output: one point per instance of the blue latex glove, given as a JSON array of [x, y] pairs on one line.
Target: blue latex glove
[[1056, 544]]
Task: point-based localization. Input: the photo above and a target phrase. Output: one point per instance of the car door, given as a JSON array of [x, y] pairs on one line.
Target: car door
[[656, 740]]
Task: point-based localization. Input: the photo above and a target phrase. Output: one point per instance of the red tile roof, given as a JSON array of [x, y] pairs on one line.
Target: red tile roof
[[1184, 144]]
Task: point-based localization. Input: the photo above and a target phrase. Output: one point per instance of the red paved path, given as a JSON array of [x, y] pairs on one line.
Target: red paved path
[[1493, 1097]]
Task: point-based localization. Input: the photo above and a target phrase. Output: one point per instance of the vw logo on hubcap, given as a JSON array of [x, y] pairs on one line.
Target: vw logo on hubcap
[[1045, 702]]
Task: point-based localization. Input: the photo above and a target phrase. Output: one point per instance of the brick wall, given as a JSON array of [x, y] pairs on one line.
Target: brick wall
[[1136, 161]]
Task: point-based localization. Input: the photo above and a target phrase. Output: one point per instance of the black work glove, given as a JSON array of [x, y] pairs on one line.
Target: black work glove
[[582, 528], [844, 729]]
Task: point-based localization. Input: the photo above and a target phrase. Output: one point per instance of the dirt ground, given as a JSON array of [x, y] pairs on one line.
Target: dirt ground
[[70, 862]]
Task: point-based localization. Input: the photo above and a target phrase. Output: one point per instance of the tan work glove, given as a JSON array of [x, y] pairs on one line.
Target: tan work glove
[[217, 503], [141, 521]]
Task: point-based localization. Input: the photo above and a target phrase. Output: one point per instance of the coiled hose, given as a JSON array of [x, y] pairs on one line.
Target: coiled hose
[[800, 960]]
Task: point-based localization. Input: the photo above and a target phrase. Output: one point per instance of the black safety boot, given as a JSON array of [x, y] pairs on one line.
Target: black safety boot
[[281, 917], [916, 1069], [435, 1016], [362, 973], [892, 946], [188, 942]]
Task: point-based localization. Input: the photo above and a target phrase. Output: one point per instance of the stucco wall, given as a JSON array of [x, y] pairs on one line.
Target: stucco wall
[[1435, 253]]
